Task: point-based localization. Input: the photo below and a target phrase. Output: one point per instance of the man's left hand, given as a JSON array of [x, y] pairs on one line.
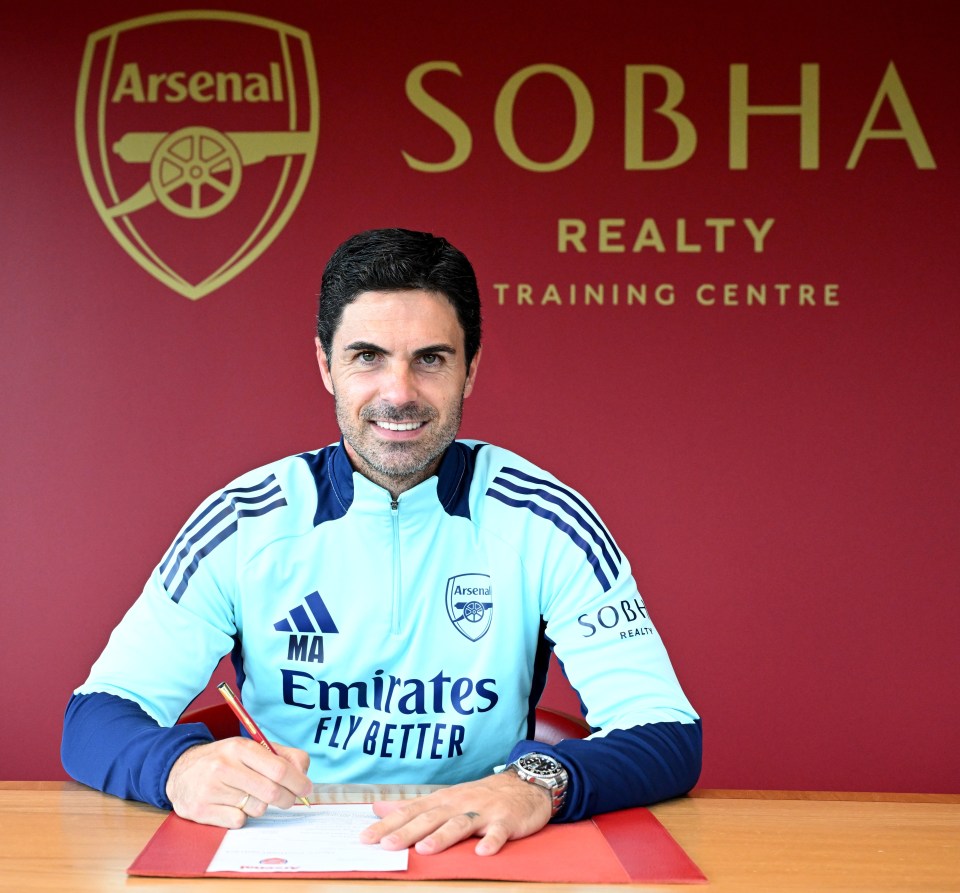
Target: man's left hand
[[496, 809]]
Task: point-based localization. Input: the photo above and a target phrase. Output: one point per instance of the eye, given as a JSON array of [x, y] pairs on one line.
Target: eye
[[430, 359], [367, 356]]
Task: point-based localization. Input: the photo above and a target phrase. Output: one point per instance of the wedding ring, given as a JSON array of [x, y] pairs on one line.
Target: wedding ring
[[243, 802]]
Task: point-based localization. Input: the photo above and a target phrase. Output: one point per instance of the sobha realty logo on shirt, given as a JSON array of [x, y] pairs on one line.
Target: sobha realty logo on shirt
[[196, 132]]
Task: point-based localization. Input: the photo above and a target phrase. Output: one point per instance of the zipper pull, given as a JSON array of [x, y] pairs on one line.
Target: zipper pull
[[394, 505]]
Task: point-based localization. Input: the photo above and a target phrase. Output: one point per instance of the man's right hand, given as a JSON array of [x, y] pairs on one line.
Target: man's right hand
[[223, 782]]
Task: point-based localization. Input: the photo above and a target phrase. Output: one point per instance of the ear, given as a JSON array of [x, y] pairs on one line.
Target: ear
[[472, 373], [324, 366]]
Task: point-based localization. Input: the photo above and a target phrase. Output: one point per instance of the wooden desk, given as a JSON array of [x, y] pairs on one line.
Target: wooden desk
[[61, 836]]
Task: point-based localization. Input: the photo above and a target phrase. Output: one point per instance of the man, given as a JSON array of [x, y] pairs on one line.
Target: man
[[390, 603]]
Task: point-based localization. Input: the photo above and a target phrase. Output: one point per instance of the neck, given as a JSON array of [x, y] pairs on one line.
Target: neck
[[394, 484]]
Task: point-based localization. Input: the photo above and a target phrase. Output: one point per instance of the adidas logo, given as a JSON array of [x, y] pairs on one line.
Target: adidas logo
[[301, 617], [311, 620]]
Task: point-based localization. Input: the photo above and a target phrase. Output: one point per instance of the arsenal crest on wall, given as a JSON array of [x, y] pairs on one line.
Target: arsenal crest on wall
[[196, 133]]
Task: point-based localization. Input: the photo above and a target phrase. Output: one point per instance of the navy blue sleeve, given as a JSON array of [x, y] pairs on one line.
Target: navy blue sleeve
[[626, 767], [111, 744]]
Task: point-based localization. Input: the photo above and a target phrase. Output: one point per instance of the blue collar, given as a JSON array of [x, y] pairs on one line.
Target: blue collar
[[333, 475]]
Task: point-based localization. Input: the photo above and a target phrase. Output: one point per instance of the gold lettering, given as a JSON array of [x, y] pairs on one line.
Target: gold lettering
[[176, 89], [759, 234], [153, 85], [201, 86], [225, 80], [593, 294], [610, 235], [276, 83], [779, 294], [633, 152], [451, 123], [683, 247], [257, 88], [128, 84], [892, 89], [808, 110], [570, 231], [720, 225], [551, 296], [665, 295], [200, 81], [649, 237], [583, 127]]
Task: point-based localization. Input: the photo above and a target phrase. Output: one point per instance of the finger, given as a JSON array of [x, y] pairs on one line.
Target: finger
[[269, 777], [223, 815], [394, 814], [209, 782], [453, 830], [253, 807], [404, 827], [494, 839], [299, 758], [383, 808]]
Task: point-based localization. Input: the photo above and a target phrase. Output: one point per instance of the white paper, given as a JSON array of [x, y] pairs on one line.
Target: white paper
[[319, 838]]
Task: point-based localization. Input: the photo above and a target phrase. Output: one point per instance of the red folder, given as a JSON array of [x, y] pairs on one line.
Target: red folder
[[629, 846]]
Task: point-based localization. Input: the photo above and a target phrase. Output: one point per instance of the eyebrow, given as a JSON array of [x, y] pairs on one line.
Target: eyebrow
[[420, 351]]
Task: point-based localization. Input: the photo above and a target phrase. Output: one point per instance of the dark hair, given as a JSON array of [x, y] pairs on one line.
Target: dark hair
[[398, 260]]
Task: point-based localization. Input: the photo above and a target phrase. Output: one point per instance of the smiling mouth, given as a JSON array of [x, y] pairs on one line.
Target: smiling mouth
[[398, 426]]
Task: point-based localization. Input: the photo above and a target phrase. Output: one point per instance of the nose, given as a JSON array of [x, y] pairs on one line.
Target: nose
[[398, 385]]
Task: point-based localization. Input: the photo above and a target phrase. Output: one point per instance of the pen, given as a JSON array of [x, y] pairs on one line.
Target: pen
[[247, 722]]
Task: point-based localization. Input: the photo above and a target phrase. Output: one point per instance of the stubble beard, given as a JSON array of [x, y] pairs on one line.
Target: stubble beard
[[397, 465]]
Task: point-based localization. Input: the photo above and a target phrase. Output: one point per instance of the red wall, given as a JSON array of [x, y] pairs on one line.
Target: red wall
[[784, 478]]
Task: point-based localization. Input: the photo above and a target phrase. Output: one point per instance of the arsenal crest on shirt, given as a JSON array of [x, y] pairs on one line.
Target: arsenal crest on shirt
[[470, 604]]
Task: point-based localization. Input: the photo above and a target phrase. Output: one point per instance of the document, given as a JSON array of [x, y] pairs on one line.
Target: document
[[299, 839]]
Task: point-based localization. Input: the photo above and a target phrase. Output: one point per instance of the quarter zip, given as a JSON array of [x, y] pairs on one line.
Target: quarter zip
[[395, 519]]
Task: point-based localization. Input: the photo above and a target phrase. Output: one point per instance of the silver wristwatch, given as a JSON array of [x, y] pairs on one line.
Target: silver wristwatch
[[539, 769]]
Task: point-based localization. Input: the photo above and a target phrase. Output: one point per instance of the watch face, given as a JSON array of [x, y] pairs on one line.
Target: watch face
[[539, 764]]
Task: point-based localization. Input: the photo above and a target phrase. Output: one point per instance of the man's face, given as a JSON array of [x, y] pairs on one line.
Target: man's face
[[398, 374]]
